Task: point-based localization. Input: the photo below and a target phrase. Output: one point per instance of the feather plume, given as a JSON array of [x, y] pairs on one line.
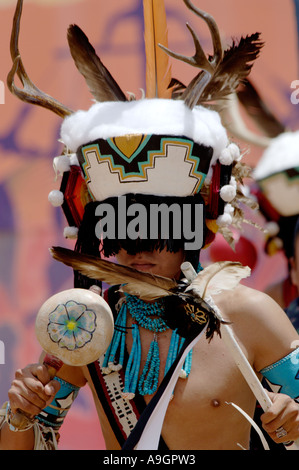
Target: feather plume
[[144, 285], [179, 303], [234, 68], [158, 71], [257, 109], [99, 80], [224, 275], [213, 279]]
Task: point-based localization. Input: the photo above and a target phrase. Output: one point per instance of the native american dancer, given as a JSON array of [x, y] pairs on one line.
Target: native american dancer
[[190, 345]]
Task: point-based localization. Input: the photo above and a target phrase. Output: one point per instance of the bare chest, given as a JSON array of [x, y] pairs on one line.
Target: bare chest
[[200, 414]]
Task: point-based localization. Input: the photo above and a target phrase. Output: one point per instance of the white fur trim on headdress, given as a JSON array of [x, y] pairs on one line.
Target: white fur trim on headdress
[[146, 116], [281, 155]]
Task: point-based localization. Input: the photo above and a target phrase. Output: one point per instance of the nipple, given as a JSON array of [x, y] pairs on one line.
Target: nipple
[[215, 403]]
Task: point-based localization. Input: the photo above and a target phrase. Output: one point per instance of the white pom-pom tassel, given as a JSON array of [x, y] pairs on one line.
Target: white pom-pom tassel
[[183, 374], [70, 232], [56, 198], [228, 209], [226, 157], [224, 219], [74, 159], [230, 154], [272, 228], [227, 217], [61, 164], [228, 192], [235, 152]]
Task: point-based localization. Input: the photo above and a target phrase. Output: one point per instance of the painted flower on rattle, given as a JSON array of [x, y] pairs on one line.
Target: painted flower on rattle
[[71, 325]]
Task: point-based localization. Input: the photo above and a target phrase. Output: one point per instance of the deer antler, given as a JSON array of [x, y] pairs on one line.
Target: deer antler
[[30, 93], [233, 121], [258, 112], [212, 25], [221, 73], [208, 66]]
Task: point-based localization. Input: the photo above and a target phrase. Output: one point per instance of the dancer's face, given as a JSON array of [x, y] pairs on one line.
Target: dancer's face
[[164, 263]]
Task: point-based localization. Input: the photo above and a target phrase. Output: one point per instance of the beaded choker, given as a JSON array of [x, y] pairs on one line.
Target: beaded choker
[[142, 314]]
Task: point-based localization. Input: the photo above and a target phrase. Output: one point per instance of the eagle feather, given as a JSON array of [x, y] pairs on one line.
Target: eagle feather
[[99, 80], [213, 279], [144, 285]]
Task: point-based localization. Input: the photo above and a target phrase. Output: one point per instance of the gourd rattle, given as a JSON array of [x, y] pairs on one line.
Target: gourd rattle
[[74, 327]]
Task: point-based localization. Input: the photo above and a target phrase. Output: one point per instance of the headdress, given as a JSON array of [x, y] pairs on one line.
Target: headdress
[[170, 144]]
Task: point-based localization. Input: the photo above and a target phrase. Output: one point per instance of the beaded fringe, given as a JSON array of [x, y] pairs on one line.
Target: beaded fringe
[[114, 357]]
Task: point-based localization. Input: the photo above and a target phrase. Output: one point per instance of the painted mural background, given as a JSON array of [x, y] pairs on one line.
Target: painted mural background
[[29, 225]]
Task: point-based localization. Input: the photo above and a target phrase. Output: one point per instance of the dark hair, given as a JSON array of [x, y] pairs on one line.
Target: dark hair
[[295, 237], [287, 227], [89, 243]]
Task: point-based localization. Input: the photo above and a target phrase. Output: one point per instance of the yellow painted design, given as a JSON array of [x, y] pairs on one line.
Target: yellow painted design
[[128, 144], [71, 325], [212, 225]]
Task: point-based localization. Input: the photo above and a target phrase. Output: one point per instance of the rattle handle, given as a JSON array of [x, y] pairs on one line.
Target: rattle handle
[[53, 364], [20, 420]]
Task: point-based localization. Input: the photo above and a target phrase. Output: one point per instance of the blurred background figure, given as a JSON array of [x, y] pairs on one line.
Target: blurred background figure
[[277, 191], [293, 309], [275, 181]]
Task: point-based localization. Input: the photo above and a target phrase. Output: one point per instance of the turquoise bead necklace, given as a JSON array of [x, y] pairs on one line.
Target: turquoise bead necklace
[[142, 314]]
